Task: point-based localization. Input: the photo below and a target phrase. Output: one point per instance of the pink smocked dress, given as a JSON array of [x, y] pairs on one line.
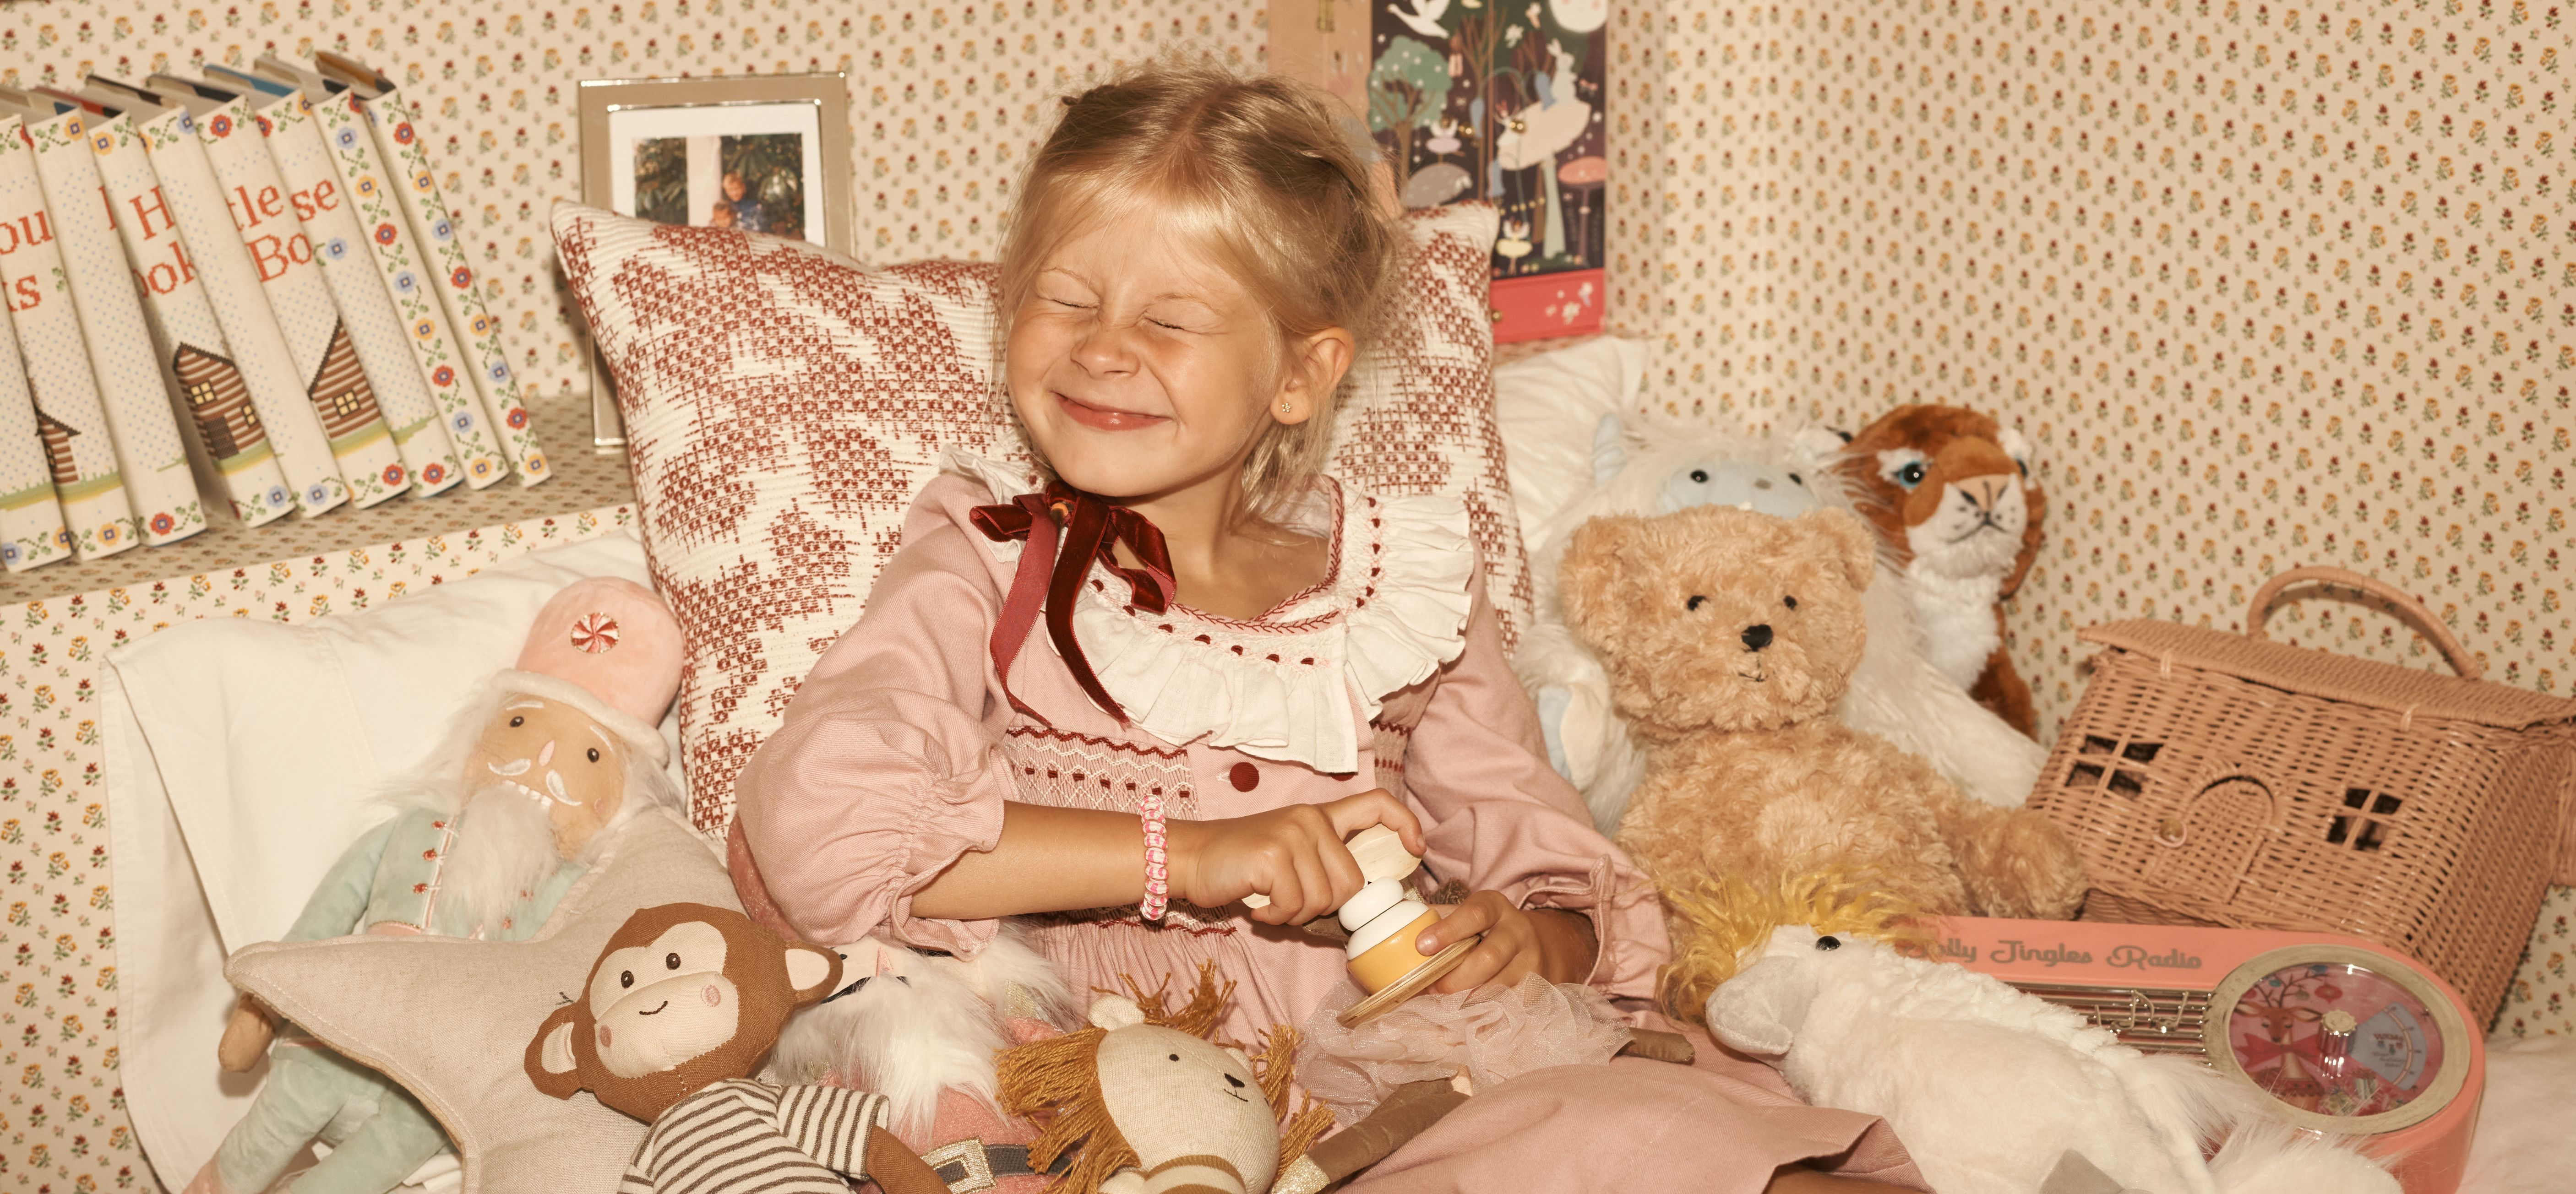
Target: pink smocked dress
[[901, 749]]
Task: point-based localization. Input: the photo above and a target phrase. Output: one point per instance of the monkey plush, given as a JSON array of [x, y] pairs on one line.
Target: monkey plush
[[681, 1006]]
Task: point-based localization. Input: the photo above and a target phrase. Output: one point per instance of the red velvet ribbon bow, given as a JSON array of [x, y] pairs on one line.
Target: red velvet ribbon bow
[[1066, 530]]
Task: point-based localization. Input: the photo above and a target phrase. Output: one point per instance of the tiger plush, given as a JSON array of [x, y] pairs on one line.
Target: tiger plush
[[1949, 492]]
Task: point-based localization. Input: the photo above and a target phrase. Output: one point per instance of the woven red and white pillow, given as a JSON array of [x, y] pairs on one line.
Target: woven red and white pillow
[[783, 405]]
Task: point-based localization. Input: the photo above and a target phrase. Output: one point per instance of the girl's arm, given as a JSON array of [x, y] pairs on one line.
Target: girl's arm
[[1555, 896]]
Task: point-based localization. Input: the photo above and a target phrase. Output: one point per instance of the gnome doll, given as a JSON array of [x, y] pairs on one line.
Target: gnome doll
[[513, 806]]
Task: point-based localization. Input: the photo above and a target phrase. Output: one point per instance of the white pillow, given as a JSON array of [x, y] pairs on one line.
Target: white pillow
[[1548, 408], [242, 757]]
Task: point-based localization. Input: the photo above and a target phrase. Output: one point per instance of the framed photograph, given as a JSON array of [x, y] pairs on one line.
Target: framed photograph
[[759, 153]]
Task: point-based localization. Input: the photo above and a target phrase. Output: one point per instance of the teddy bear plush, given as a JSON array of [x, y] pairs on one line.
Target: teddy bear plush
[[1729, 634]]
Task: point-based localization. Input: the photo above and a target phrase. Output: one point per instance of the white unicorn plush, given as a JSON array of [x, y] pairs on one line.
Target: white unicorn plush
[[1995, 1091]]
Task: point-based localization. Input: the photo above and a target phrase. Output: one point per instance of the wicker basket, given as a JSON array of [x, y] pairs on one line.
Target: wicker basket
[[2219, 779]]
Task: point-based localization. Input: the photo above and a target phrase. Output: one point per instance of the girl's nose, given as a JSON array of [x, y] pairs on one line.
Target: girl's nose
[[1105, 349]]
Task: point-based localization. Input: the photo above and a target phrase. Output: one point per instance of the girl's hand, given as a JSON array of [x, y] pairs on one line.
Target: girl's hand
[[1293, 855], [1518, 942]]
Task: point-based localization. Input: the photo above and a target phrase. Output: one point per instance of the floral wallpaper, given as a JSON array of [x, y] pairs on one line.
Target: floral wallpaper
[[946, 99]]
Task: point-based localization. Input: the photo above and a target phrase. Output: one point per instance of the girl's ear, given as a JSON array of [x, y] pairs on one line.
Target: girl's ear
[[1316, 366]]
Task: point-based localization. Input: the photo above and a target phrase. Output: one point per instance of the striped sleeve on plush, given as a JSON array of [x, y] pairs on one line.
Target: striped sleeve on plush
[[745, 1137]]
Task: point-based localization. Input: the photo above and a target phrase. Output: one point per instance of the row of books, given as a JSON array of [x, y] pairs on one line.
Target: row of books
[[272, 306]]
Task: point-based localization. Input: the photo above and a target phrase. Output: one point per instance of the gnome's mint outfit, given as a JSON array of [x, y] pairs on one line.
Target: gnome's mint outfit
[[389, 882]]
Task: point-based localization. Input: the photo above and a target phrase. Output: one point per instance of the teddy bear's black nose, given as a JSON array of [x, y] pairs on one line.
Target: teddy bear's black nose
[[1757, 637]]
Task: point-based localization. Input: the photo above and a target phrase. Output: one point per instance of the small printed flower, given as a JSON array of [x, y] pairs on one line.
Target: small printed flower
[[500, 372], [384, 234], [263, 125], [222, 124], [393, 475], [424, 329], [346, 138], [461, 279], [403, 133], [405, 282], [187, 123], [318, 494], [434, 474], [482, 466], [422, 182], [335, 248], [277, 495], [353, 103], [163, 524], [107, 533], [366, 184], [443, 377], [9, 554], [535, 464], [103, 143]]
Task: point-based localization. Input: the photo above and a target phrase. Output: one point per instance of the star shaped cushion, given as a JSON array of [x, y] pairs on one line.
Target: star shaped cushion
[[451, 1019]]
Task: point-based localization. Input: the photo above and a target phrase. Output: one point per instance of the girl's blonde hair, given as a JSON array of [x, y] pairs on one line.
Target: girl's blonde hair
[[1257, 169]]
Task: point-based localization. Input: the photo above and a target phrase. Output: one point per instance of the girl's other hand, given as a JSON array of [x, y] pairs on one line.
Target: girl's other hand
[[1518, 942], [1293, 855]]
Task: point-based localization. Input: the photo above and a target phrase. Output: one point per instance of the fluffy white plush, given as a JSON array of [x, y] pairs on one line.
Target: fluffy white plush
[[1989, 1086], [2526, 1141], [1639, 467], [911, 1025]]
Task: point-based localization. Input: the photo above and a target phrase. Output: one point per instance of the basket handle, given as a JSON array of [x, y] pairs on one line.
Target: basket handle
[[2443, 640]]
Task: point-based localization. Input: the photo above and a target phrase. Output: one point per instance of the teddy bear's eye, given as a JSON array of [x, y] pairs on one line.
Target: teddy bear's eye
[[516, 722], [1791, 602], [594, 751], [1699, 476], [1694, 603]]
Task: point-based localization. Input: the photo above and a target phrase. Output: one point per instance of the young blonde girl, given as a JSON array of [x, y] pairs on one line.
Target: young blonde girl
[[1114, 701]]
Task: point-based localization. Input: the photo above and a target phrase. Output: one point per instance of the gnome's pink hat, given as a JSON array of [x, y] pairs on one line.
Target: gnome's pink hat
[[611, 649]]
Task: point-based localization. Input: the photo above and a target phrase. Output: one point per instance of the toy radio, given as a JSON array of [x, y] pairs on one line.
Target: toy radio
[[2346, 1036]]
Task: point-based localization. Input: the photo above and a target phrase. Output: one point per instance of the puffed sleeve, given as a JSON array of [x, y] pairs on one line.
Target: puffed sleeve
[[887, 765], [1497, 815]]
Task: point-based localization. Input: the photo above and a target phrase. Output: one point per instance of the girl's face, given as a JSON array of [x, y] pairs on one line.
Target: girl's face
[[1140, 368]]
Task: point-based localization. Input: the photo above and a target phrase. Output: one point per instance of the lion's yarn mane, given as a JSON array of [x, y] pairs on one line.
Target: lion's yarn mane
[[1715, 920], [1062, 1074]]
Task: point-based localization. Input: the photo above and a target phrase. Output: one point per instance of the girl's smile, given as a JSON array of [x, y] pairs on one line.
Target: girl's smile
[[1104, 417]]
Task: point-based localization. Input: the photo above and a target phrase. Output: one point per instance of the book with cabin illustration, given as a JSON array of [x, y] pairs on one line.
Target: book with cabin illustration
[[375, 329], [230, 286], [404, 152], [145, 432], [282, 258], [214, 400], [31, 521], [406, 275], [71, 419]]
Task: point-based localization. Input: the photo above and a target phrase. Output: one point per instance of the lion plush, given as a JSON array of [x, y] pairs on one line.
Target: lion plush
[[1729, 634], [1949, 492]]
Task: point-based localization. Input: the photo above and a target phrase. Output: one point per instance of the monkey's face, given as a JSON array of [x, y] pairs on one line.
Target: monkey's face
[[682, 996], [656, 1005]]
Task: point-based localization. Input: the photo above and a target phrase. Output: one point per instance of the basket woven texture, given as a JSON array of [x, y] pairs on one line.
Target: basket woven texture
[[2219, 779]]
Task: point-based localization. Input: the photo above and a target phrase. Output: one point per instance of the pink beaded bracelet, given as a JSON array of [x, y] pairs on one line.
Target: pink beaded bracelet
[[1158, 871]]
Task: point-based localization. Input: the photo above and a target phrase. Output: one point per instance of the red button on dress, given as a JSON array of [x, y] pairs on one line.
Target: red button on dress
[[1244, 776]]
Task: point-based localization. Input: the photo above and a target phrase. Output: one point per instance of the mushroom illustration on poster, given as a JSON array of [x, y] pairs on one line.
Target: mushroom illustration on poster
[[1501, 101]]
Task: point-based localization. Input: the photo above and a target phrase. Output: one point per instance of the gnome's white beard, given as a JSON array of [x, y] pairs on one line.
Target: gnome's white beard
[[504, 846]]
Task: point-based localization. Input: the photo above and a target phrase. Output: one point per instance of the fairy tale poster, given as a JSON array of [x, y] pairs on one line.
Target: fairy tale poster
[[1498, 100]]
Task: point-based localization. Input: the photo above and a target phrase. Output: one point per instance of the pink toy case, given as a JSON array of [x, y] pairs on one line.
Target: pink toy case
[[2347, 1036]]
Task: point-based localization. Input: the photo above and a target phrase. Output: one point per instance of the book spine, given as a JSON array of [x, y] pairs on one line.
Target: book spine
[[300, 307], [405, 153], [367, 314], [148, 448], [412, 287], [31, 521], [232, 295], [71, 420], [214, 401]]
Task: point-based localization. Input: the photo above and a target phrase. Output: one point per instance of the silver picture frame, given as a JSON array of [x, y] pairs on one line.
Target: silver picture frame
[[616, 114]]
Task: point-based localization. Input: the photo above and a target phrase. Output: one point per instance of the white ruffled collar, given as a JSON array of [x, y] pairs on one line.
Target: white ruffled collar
[[1295, 684]]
